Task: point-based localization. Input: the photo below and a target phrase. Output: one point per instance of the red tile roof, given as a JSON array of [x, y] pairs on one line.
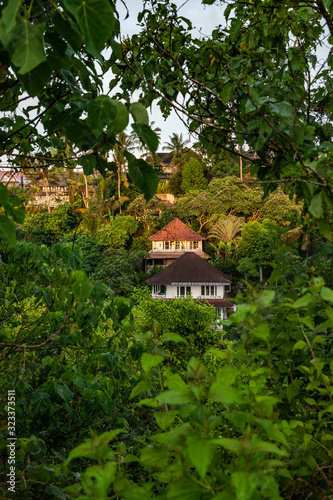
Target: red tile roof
[[189, 269], [176, 230]]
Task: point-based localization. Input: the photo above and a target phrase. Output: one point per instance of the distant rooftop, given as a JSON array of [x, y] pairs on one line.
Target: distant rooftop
[[176, 230]]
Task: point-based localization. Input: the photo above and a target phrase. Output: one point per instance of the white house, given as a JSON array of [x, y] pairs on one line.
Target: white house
[[190, 274]]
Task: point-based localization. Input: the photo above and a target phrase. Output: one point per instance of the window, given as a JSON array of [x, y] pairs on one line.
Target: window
[[208, 291], [195, 245], [182, 245], [183, 291], [177, 245], [166, 245]]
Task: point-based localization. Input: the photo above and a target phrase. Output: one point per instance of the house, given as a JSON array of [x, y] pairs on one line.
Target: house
[[171, 242], [12, 178], [192, 275], [52, 195]]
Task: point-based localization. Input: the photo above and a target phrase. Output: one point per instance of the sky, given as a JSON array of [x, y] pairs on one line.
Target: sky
[[204, 19]]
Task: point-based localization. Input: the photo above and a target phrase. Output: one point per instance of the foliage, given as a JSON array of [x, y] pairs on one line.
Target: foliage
[[230, 194], [248, 430], [193, 176], [225, 231], [117, 232], [185, 326], [49, 227], [121, 270], [256, 80], [53, 109], [257, 246]]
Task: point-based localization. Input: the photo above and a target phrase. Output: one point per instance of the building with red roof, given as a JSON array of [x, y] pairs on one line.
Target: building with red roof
[[171, 242]]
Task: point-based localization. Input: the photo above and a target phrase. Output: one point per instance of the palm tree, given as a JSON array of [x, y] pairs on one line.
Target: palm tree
[[39, 173], [226, 231], [124, 141], [176, 146]]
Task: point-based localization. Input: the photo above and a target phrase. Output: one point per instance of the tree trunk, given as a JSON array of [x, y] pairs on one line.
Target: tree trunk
[[119, 182], [87, 194], [260, 274], [240, 163]]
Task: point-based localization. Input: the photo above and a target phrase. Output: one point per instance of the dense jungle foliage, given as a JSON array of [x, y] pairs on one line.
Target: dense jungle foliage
[[118, 395]]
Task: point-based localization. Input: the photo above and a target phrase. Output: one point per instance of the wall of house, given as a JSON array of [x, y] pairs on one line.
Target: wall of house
[[160, 246], [171, 292]]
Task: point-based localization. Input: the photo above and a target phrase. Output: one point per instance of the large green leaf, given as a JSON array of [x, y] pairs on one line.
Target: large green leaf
[[96, 21], [88, 163], [149, 361], [139, 113], [201, 452], [143, 176], [121, 119], [101, 112], [36, 79], [40, 401], [8, 18], [147, 135], [81, 290], [7, 230], [26, 45], [97, 479]]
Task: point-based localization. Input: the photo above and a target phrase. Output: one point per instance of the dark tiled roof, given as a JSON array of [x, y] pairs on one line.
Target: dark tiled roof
[[189, 268], [175, 255], [176, 230]]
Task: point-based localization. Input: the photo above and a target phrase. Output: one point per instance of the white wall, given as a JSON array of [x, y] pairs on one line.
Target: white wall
[[171, 292]]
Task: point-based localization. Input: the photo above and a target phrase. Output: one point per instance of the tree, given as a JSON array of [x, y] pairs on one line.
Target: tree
[[193, 176], [256, 247], [176, 146], [255, 81], [116, 233], [225, 231], [54, 54]]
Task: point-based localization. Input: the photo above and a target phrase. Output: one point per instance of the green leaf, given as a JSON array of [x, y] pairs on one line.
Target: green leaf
[[96, 21], [36, 80], [40, 401], [227, 395], [201, 452], [70, 80], [284, 109], [146, 135], [121, 119], [149, 361], [81, 290], [143, 176], [304, 301], [97, 479], [95, 447], [8, 18], [26, 45], [172, 337], [175, 397], [327, 294], [65, 393], [139, 113], [101, 112], [165, 419], [88, 163], [233, 445], [37, 448], [316, 206], [185, 489], [142, 386], [299, 345], [227, 92], [7, 230]]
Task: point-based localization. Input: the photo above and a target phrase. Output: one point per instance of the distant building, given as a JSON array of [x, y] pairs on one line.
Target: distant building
[[12, 178], [192, 275], [171, 242]]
